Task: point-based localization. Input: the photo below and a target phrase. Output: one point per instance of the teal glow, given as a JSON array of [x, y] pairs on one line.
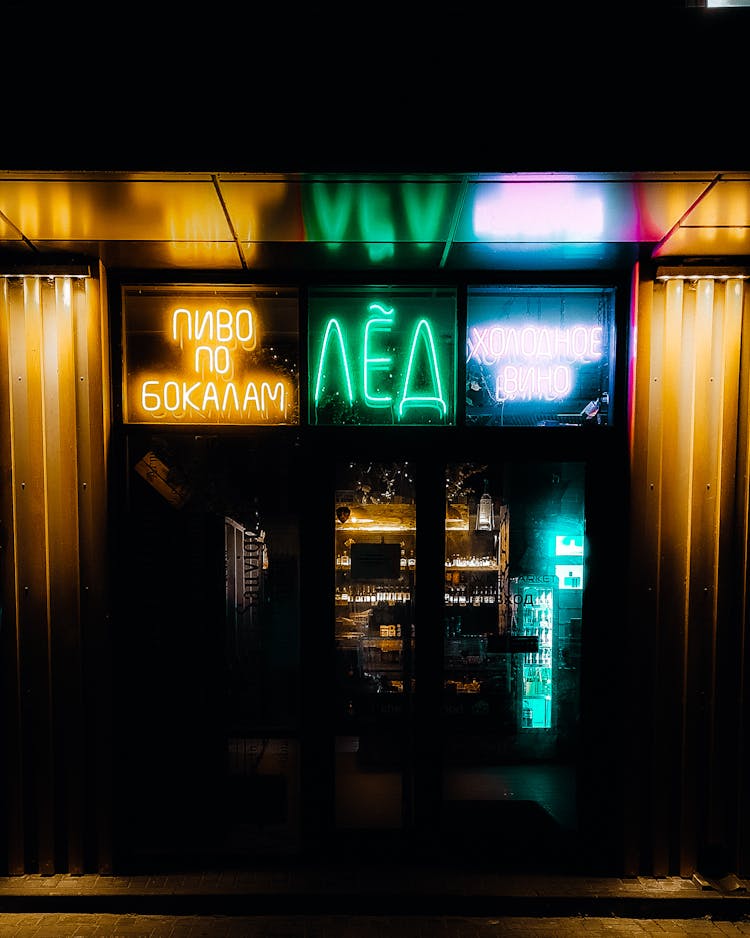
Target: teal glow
[[539, 355], [421, 400], [568, 545], [376, 222], [372, 363], [425, 208], [382, 356], [333, 207], [376, 216], [333, 327]]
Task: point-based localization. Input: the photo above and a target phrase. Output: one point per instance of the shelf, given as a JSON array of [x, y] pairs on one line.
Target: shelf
[[473, 567], [404, 567], [378, 519]]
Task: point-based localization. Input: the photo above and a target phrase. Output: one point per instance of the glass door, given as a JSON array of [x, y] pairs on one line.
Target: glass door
[[468, 739], [514, 576], [208, 662], [375, 572]]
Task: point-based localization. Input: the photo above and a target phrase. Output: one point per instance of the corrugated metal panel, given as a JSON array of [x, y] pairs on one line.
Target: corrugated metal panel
[[54, 424], [685, 415], [10, 680], [738, 653]]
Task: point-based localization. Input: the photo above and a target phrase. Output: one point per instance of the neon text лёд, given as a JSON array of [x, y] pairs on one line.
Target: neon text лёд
[[377, 367]]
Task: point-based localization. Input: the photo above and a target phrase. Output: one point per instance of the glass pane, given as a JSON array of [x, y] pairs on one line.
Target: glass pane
[[539, 356], [382, 356], [514, 577], [477, 601], [211, 608], [207, 355], [375, 562]]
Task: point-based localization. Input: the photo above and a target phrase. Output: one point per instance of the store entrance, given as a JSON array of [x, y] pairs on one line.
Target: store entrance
[[492, 680], [319, 653]]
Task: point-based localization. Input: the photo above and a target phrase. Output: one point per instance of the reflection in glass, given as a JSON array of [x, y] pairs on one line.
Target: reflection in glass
[[382, 356], [514, 578], [539, 356]]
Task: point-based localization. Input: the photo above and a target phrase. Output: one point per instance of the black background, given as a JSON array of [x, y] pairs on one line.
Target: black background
[[617, 87]]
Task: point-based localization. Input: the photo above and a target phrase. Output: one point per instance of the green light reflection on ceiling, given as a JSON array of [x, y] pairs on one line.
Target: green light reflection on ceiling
[[426, 210], [378, 214]]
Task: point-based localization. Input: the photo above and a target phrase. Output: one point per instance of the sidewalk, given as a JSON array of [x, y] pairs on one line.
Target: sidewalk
[[331, 889]]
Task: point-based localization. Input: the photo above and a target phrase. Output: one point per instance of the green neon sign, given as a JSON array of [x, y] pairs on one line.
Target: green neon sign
[[373, 363], [333, 334], [423, 400], [377, 361]]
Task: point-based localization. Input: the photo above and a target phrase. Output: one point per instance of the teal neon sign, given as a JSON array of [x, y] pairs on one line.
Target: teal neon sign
[[379, 362], [333, 334], [374, 363]]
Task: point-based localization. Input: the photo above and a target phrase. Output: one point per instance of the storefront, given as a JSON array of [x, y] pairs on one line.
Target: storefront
[[427, 610], [417, 559]]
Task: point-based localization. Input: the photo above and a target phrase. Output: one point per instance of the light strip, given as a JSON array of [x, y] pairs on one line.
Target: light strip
[[79, 271], [701, 273]]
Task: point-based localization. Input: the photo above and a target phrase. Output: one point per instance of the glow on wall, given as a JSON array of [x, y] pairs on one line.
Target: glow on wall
[[381, 356], [210, 355], [569, 562], [539, 356]]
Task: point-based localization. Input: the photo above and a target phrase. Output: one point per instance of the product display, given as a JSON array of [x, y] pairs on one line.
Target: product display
[[535, 610], [477, 675], [375, 571]]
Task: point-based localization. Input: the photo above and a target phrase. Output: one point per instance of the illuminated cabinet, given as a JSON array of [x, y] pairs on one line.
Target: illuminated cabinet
[[375, 571], [535, 629]]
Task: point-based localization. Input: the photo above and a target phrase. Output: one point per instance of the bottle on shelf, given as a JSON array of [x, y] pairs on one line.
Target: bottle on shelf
[[485, 511]]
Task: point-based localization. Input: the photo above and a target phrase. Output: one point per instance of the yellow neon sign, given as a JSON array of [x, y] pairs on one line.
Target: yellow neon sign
[[215, 370]]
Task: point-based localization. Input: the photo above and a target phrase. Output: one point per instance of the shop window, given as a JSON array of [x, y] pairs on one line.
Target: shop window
[[210, 355], [382, 356], [539, 356]]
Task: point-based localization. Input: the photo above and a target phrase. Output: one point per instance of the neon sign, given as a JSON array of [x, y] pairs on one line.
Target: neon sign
[[204, 358], [375, 362], [538, 356], [546, 356]]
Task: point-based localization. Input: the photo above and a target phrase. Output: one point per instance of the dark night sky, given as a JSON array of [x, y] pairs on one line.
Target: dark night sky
[[488, 92]]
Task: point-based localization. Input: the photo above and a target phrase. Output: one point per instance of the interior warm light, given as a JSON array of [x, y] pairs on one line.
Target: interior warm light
[[701, 273], [374, 526], [47, 273]]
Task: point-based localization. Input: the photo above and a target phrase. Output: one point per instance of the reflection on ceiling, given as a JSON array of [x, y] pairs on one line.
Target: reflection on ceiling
[[237, 222]]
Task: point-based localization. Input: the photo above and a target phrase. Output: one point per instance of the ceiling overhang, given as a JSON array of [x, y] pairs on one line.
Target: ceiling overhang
[[246, 222]]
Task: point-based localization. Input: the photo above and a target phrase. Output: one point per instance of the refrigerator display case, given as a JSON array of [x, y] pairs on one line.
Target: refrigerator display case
[[535, 624]]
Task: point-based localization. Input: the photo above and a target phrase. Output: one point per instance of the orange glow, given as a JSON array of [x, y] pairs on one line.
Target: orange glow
[[257, 397], [211, 369]]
